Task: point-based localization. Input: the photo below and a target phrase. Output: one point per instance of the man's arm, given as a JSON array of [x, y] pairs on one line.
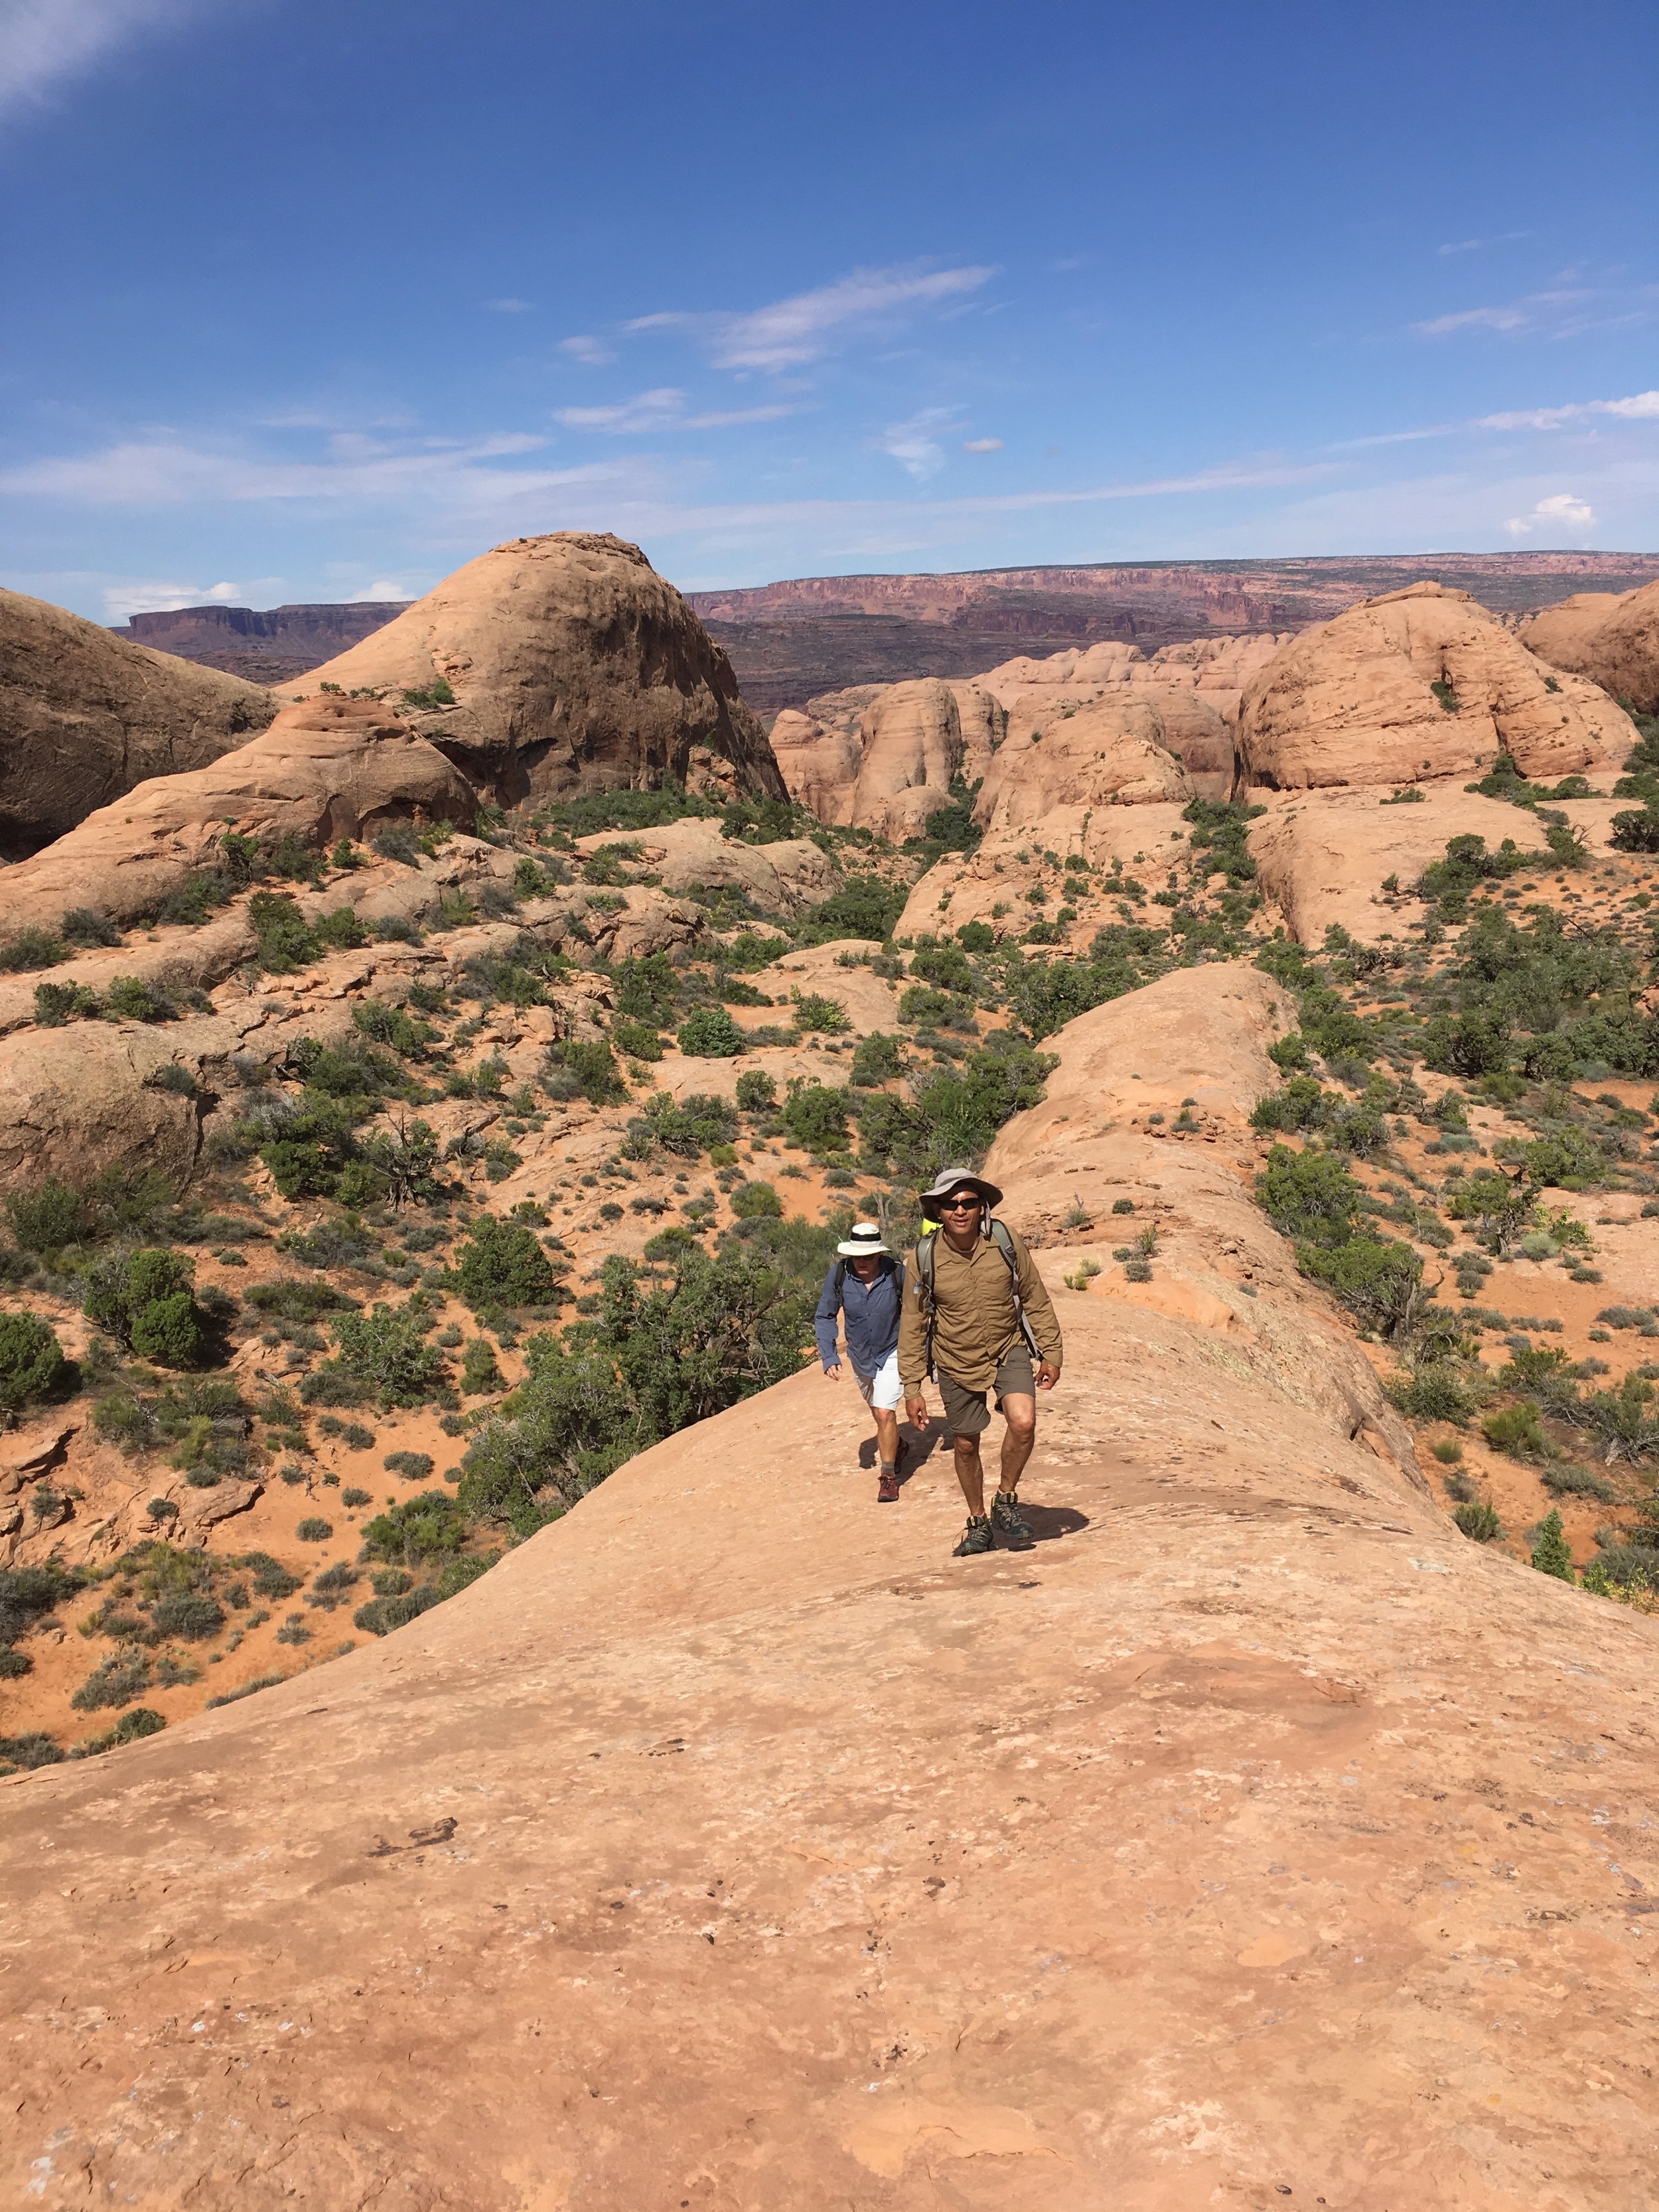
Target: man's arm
[[912, 1336], [1039, 1306], [823, 1323]]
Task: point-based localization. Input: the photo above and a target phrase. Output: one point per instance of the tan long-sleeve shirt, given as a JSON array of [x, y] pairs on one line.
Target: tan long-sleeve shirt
[[976, 1320]]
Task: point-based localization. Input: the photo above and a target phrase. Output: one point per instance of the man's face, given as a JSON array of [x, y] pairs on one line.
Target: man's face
[[867, 1266], [960, 1211]]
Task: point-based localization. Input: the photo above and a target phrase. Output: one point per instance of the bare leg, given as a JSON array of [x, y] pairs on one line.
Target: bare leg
[[971, 1475], [1018, 1439], [887, 1435]]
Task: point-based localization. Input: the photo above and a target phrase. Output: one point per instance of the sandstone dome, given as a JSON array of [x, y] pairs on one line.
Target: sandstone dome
[[85, 716], [1612, 637], [1419, 683], [574, 666]]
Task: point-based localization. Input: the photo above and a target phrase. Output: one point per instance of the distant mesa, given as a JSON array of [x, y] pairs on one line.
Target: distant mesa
[[268, 646], [85, 715], [574, 666]]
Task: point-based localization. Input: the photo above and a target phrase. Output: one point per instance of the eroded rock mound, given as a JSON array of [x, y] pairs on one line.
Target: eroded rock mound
[[325, 769], [1421, 683], [574, 666], [785, 877], [1612, 637], [85, 716], [819, 764], [1118, 749]]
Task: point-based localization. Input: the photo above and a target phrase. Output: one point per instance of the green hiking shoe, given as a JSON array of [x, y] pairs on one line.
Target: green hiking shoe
[[975, 1538], [1007, 1523]]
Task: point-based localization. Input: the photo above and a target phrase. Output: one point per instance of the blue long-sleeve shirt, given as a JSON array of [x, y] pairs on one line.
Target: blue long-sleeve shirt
[[871, 1315]]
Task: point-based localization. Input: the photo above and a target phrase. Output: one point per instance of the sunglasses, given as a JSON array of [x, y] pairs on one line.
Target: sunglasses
[[971, 1204]]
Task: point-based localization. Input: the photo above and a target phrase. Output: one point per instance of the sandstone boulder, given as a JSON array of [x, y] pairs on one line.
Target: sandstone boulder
[[819, 765], [574, 667], [325, 769], [989, 883], [912, 748], [785, 878], [1612, 637], [1061, 761], [85, 716], [77, 1101], [1419, 682]]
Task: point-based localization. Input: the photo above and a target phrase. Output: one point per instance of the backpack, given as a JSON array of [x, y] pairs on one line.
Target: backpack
[[842, 1266], [1002, 1237]]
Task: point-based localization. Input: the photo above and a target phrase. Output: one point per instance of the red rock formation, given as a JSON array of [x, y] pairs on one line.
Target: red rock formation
[[1611, 637]]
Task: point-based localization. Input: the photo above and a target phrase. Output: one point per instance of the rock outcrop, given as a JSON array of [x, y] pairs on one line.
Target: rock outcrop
[[1612, 637], [731, 1843], [784, 878], [1057, 764], [819, 764], [574, 667], [84, 716], [1420, 683], [325, 769]]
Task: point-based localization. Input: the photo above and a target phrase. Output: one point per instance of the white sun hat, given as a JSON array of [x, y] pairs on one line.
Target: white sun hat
[[864, 1244]]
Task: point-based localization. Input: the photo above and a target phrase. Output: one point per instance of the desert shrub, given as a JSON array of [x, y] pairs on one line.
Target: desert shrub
[[146, 1299], [637, 1040], [46, 1219], [564, 1429], [351, 1497], [589, 1068], [1434, 1392], [752, 1200], [1516, 1429], [757, 1093], [501, 1265], [1552, 1555], [816, 1117], [28, 949], [20, 1753], [1637, 831], [84, 926], [710, 1033], [439, 693], [295, 1299], [646, 989], [864, 906], [822, 1016], [1479, 1521], [119, 1680], [385, 1353], [1304, 1103], [479, 1370], [56, 1004], [313, 1530], [192, 1614], [33, 1367], [286, 940], [879, 1057], [28, 1594], [1310, 1197], [413, 1466], [417, 1531]]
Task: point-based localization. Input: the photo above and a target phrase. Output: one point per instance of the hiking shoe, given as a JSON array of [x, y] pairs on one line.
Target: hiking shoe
[[1006, 1520], [975, 1538], [887, 1489]]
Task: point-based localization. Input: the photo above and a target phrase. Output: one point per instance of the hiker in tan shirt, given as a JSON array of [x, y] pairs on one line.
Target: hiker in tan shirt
[[975, 1312]]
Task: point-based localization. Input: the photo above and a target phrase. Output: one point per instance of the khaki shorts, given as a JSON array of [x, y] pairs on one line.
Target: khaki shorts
[[966, 1413]]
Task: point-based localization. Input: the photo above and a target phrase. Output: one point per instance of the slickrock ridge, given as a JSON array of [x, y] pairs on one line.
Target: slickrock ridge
[[574, 667], [326, 768], [1612, 637], [85, 715], [1254, 1837], [1419, 683]]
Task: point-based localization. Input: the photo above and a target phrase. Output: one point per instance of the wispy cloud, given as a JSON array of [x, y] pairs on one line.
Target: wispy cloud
[[150, 596], [791, 332], [1562, 509], [1479, 245], [386, 588], [510, 307], [913, 444], [982, 445], [665, 408], [592, 353], [1640, 406], [1562, 314], [44, 42]]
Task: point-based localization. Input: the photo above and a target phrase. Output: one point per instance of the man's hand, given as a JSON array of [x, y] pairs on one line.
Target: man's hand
[[1047, 1374], [915, 1412], [833, 1374]]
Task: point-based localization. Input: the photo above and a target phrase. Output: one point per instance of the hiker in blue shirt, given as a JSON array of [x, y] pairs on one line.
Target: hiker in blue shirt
[[863, 1289]]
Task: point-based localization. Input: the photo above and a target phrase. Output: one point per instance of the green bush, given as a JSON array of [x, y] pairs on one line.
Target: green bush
[[46, 1219], [1379, 1281], [56, 1004], [1516, 1429], [710, 1033], [28, 949], [753, 1201], [1552, 1555], [1479, 1521], [1637, 831], [417, 1531], [84, 926], [33, 1367], [866, 906], [590, 1071], [756, 1092], [146, 1300], [816, 1117], [120, 1680], [413, 1466], [637, 1040], [1310, 1197], [820, 1016], [1434, 1393], [479, 1370], [168, 1331], [878, 1059], [502, 1266], [438, 693], [385, 1353], [313, 1530]]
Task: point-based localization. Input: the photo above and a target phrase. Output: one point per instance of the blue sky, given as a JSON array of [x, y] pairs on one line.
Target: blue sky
[[310, 301]]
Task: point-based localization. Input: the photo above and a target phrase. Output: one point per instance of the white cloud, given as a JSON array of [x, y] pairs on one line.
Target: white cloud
[[385, 589], [1564, 313], [43, 41], [915, 444], [592, 353], [661, 409], [982, 445], [790, 332], [1479, 245], [510, 307], [1560, 509], [148, 596], [1641, 406]]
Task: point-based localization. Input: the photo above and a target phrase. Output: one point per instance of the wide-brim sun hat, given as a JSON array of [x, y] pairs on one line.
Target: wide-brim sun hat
[[864, 1244], [953, 1179]]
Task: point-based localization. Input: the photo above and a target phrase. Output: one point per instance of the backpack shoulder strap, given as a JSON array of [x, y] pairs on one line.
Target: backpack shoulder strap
[[1003, 1237], [840, 1280], [925, 1290]]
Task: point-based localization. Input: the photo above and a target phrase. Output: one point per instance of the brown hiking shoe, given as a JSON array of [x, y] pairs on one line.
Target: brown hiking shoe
[[1006, 1520], [887, 1489], [975, 1538]]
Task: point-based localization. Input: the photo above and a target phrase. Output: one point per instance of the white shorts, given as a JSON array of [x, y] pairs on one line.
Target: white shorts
[[882, 1390]]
